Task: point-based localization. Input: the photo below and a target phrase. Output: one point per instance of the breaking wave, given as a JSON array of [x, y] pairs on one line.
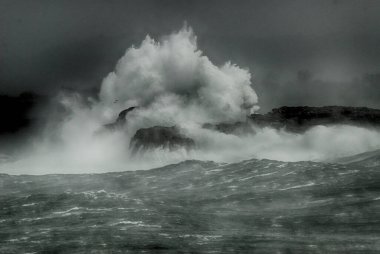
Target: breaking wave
[[173, 83]]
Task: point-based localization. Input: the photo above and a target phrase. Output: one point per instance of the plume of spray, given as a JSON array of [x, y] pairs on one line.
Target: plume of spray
[[173, 83]]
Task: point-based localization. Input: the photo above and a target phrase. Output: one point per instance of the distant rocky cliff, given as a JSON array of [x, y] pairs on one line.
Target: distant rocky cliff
[[299, 119]]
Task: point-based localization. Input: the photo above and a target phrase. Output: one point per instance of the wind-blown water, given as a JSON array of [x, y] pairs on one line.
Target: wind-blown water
[[254, 206]]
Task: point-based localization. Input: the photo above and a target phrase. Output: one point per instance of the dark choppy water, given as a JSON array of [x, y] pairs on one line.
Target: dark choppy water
[[256, 206]]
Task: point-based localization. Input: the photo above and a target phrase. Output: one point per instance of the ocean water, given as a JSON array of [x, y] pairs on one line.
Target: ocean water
[[254, 206]]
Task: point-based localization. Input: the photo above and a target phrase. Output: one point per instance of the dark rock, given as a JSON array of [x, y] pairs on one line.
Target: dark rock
[[121, 119], [160, 137], [15, 112], [299, 119]]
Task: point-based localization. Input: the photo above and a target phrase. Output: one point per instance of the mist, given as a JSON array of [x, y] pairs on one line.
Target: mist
[[173, 83]]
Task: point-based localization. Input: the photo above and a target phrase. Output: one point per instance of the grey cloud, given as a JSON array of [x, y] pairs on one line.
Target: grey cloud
[[49, 44]]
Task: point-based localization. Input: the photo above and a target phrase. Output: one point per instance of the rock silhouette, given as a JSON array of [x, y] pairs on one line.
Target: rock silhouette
[[160, 136], [300, 119]]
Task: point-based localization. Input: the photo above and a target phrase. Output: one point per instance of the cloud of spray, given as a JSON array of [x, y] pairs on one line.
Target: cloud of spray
[[173, 83]]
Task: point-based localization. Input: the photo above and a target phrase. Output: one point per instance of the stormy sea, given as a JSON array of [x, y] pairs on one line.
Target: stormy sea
[[253, 206], [173, 155]]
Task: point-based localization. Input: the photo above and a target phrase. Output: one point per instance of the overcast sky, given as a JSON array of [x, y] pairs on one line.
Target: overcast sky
[[300, 52]]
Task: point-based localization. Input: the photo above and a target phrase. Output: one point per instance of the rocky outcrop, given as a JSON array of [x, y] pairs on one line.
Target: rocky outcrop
[[299, 119], [160, 137], [153, 137]]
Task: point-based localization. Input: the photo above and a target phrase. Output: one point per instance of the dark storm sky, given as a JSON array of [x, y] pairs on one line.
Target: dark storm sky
[[299, 52]]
